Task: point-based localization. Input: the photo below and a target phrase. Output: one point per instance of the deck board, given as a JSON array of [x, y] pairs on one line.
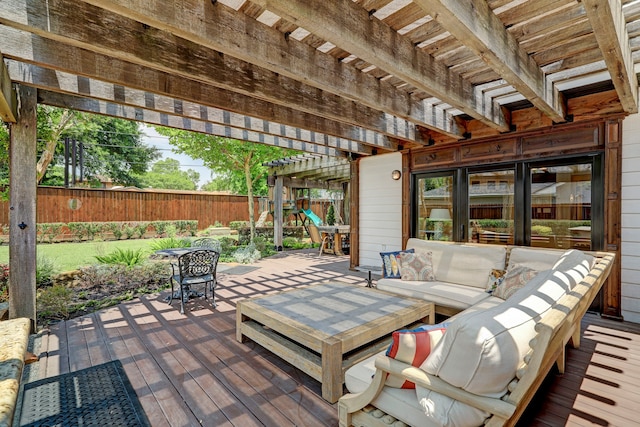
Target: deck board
[[190, 370]]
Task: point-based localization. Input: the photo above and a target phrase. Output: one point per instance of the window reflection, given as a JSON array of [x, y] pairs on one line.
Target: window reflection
[[435, 208], [561, 206], [491, 207]]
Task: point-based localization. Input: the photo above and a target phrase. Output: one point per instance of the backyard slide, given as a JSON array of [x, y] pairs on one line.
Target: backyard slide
[[312, 216]]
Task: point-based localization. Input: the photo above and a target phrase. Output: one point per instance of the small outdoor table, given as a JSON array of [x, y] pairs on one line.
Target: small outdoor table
[[325, 329], [336, 232]]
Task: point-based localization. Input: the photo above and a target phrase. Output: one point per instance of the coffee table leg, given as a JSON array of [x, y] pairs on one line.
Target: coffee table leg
[[332, 370], [239, 319]]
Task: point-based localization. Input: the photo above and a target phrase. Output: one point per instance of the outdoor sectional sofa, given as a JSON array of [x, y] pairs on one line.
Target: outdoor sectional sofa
[[494, 352]]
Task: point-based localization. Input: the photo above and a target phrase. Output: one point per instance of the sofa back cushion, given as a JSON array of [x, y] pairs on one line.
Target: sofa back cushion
[[481, 350], [535, 259], [574, 265], [462, 264]]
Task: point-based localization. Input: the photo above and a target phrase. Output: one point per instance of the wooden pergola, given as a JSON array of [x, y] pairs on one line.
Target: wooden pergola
[[345, 79]]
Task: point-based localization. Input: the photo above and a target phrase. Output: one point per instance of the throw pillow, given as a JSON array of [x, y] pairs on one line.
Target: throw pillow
[[417, 266], [412, 347], [516, 278], [390, 266], [496, 277]]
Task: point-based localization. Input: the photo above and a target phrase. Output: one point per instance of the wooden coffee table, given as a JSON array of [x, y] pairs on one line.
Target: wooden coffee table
[[324, 329]]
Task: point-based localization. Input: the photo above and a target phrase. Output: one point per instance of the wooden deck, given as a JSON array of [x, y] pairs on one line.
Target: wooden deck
[[190, 370]]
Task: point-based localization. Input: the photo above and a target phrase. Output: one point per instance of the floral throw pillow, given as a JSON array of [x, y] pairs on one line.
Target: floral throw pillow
[[417, 266], [516, 278], [412, 347], [496, 277], [390, 264]]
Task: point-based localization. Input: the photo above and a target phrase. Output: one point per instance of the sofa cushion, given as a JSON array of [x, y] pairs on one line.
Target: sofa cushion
[[447, 412], [515, 279], [575, 264], [390, 264], [416, 266], [412, 346], [440, 293], [536, 259], [482, 350], [468, 265], [495, 279], [399, 403]]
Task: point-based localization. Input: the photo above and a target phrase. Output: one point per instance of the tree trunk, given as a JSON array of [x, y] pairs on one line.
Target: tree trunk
[[50, 146], [247, 176]]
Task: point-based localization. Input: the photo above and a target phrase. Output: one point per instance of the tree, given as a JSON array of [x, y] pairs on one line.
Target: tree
[[113, 147], [236, 161], [167, 174]]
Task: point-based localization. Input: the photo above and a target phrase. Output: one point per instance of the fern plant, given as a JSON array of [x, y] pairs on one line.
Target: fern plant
[[128, 257]]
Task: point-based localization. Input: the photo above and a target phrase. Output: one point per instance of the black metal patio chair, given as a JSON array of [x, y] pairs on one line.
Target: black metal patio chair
[[197, 267]]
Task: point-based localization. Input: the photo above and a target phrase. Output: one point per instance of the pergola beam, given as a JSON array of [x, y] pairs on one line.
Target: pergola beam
[[8, 104], [66, 83], [156, 118], [348, 25], [179, 47], [127, 78], [68, 22], [474, 23], [609, 28]]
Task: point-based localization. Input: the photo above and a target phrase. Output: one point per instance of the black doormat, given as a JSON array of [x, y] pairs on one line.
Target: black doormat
[[98, 396]]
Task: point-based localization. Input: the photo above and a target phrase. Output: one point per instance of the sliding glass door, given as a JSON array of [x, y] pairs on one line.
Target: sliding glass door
[[434, 207], [491, 207]]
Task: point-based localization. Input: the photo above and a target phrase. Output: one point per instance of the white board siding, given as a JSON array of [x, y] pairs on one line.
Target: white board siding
[[630, 249], [380, 225]]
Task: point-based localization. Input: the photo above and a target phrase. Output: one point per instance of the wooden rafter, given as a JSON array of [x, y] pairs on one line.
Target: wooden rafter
[[474, 23], [8, 104], [162, 119], [150, 83], [224, 30], [68, 22], [348, 25], [610, 30]]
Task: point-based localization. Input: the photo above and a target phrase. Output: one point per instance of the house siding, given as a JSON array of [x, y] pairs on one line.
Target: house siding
[[380, 213], [631, 219]]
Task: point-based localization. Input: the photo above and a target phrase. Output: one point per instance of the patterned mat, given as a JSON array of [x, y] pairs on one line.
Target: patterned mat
[[97, 396], [238, 269]]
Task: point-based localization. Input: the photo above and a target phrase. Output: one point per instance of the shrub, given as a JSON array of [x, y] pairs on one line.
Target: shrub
[[4, 282], [541, 230], [92, 229], [170, 242], [127, 257], [141, 228], [247, 255], [128, 230], [160, 227], [293, 243], [237, 225], [189, 227], [54, 302], [171, 230], [49, 231], [45, 270], [78, 230], [116, 229], [331, 215]]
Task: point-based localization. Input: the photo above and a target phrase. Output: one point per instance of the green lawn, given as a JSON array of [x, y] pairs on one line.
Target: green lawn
[[69, 256]]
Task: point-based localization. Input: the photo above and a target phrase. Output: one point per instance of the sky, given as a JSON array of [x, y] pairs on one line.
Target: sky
[[152, 138]]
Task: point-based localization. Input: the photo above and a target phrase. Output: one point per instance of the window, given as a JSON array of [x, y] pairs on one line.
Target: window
[[551, 203]]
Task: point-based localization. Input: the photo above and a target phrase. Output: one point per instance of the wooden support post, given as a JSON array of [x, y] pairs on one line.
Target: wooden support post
[[22, 210], [277, 214], [8, 104]]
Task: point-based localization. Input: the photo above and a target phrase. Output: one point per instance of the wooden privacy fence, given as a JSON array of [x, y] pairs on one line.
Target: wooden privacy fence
[[56, 204]]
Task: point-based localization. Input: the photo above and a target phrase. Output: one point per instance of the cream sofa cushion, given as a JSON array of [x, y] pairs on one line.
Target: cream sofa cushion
[[448, 412], [440, 293], [575, 265], [481, 350], [404, 405], [536, 259], [468, 265]]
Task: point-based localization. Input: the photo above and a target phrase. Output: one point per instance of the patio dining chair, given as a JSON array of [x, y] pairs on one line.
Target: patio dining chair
[[324, 239], [208, 243], [197, 267]]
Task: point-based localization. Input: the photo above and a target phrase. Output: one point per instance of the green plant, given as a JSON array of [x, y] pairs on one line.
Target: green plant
[[170, 242], [4, 282], [171, 230], [126, 257], [160, 227], [92, 229], [54, 302], [45, 270], [247, 255], [116, 229], [78, 230], [141, 228], [237, 225], [217, 224], [189, 227], [541, 230], [331, 216], [293, 243], [129, 231]]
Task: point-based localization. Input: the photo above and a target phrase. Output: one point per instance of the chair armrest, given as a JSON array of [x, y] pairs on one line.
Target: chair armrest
[[488, 404]]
